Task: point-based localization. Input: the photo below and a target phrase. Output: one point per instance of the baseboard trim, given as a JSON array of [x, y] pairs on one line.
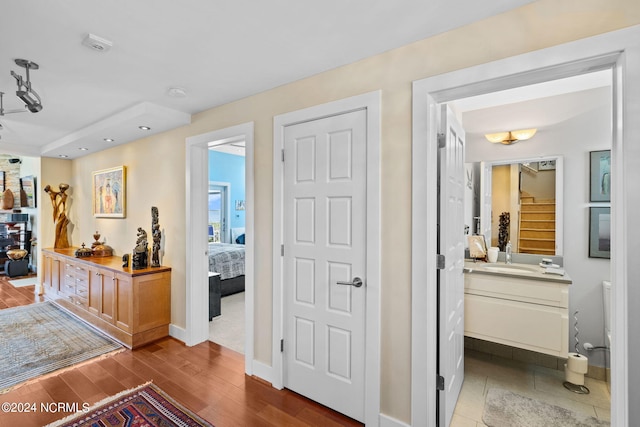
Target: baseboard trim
[[178, 333], [387, 421], [262, 371]]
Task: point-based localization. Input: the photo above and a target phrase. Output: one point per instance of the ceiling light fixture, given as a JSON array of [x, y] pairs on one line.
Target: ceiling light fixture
[[144, 127], [63, 156], [97, 43], [510, 137], [83, 149], [177, 92], [25, 92], [109, 140]]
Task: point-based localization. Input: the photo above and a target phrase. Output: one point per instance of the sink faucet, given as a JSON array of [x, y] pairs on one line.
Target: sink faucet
[[507, 255]]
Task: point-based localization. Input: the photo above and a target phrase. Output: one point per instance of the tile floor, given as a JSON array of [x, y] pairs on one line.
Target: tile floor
[[484, 371]]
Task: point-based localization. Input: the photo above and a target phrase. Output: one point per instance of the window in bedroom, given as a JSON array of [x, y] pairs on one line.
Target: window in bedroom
[[217, 217]]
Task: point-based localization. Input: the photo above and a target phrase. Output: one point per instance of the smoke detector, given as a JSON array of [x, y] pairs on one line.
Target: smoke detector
[[97, 43]]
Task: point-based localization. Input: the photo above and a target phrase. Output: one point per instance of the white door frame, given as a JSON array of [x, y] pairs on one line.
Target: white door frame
[[197, 262], [618, 51], [370, 102]]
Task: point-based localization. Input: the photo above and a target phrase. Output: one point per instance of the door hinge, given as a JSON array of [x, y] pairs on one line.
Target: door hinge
[[281, 345], [440, 261], [440, 382], [442, 140], [281, 250], [282, 154]]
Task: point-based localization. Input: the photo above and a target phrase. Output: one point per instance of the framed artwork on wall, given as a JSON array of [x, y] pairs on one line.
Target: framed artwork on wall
[[239, 205], [600, 176], [28, 185], [600, 232], [109, 192]]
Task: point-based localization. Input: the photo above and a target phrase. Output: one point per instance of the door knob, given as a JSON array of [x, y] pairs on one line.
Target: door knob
[[356, 282]]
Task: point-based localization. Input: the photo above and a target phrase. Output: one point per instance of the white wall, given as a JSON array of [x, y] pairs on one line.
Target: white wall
[[573, 139]]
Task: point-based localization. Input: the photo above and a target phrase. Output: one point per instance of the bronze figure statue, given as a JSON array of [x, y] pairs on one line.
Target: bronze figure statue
[[59, 202], [156, 234], [140, 252]]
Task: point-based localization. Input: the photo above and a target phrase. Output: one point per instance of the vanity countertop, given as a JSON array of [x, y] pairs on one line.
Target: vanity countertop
[[520, 271]]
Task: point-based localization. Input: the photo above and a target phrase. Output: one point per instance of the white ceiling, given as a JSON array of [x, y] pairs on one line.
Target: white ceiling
[[216, 51], [536, 106]]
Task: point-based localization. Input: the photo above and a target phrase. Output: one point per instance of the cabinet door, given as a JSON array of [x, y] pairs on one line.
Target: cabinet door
[[47, 269], [94, 291], [108, 296], [55, 274], [124, 302]]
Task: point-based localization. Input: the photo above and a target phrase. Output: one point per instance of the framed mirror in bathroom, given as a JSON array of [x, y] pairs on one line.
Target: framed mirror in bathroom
[[532, 195]]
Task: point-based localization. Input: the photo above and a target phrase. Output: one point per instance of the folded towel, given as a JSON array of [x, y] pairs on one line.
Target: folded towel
[[552, 270], [549, 265]]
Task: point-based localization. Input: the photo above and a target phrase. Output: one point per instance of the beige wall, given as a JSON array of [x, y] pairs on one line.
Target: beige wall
[[156, 166]]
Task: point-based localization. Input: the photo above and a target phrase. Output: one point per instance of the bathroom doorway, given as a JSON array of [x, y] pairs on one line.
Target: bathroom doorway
[[509, 73]]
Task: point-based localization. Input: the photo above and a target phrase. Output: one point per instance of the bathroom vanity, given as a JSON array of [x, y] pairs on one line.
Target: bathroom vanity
[[517, 305]]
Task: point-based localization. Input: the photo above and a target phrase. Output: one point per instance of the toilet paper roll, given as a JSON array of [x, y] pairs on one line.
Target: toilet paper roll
[[577, 363], [573, 377]]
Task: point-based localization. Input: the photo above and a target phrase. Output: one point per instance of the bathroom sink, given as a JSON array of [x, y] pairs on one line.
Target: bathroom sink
[[511, 269]]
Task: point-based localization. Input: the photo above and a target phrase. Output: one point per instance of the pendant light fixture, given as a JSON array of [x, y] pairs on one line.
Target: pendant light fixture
[[510, 137]]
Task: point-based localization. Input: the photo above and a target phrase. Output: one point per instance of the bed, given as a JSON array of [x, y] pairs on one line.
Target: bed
[[228, 261]]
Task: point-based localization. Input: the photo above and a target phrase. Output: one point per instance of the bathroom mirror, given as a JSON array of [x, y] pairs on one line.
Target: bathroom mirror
[[530, 191]]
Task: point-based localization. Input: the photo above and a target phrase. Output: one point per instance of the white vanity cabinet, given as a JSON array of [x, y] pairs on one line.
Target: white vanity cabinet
[[529, 311]]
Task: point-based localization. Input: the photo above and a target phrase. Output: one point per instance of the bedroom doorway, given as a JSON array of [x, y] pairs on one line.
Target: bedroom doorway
[[226, 208], [197, 274]]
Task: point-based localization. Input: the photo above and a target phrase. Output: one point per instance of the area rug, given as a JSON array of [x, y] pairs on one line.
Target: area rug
[[146, 405], [41, 338], [24, 282], [503, 408]]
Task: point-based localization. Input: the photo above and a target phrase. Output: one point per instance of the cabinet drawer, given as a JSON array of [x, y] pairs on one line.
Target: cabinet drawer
[[530, 326], [523, 290], [81, 273]]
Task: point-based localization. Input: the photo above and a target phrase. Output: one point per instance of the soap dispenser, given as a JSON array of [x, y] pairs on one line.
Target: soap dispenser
[[507, 256]]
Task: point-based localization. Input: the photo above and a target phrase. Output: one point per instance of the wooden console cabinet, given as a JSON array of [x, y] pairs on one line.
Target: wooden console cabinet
[[132, 306]]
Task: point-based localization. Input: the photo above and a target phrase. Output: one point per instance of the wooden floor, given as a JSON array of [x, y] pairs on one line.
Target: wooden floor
[[207, 378]]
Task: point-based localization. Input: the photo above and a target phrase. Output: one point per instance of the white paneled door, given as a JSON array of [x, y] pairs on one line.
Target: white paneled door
[[450, 278], [325, 260]]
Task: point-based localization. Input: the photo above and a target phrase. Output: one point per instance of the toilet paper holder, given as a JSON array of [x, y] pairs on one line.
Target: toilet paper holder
[[577, 366]]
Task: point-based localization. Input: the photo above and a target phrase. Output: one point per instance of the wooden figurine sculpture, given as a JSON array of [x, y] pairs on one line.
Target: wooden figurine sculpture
[[59, 202], [139, 259], [156, 235]]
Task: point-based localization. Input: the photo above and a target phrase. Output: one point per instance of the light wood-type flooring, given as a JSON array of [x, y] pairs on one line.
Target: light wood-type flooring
[[206, 378]]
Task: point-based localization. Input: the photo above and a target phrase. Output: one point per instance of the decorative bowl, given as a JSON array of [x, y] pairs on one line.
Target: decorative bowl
[[17, 254]]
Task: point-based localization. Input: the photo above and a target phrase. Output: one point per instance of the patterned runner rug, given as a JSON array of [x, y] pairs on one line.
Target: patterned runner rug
[[145, 405], [41, 338], [504, 408]]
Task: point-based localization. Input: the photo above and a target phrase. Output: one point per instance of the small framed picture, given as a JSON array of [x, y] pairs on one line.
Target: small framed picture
[[600, 176], [477, 247], [239, 205], [600, 232], [28, 185]]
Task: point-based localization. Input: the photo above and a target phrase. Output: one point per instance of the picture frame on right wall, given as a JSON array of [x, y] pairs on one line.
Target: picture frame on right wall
[[600, 176], [600, 232]]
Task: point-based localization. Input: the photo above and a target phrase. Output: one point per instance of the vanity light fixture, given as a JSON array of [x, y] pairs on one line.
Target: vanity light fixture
[[144, 127], [511, 136]]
